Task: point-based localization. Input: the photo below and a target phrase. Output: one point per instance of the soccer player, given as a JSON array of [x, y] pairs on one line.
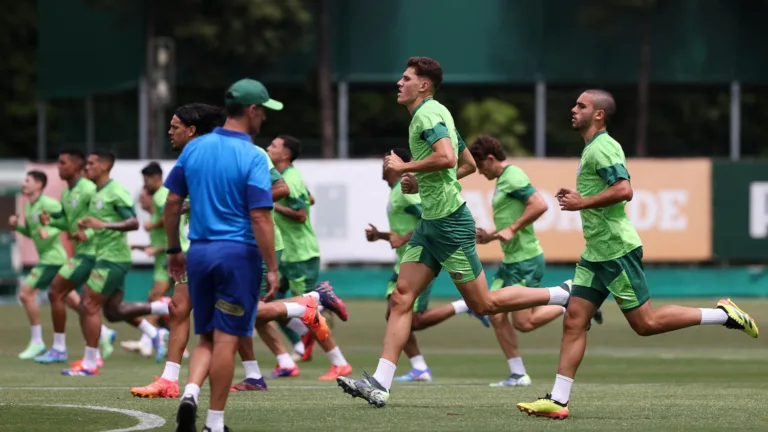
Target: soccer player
[[50, 251], [110, 215], [300, 262], [612, 259], [75, 200], [445, 235], [404, 212]]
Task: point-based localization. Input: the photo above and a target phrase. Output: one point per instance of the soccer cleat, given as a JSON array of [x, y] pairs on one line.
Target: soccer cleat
[[330, 301], [545, 407], [737, 318], [313, 319], [133, 346], [309, 342], [77, 363], [367, 388], [514, 380], [186, 354], [416, 375], [250, 384], [336, 372], [281, 372], [107, 343], [77, 369], [161, 388], [160, 344], [52, 356], [186, 416], [483, 319], [33, 350]]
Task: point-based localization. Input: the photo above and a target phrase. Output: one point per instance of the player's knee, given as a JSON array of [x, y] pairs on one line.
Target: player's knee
[[402, 299], [497, 320], [481, 305], [574, 320], [26, 294], [112, 314], [523, 326], [644, 327], [179, 309], [417, 323]]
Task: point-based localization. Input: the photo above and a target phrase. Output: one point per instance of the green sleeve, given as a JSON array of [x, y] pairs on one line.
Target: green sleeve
[[23, 230], [274, 175], [89, 233], [516, 184], [414, 209], [298, 196], [609, 163], [462, 144], [431, 127], [124, 204], [59, 221]]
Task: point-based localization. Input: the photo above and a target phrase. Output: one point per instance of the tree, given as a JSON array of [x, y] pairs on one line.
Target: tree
[[324, 84], [497, 118]]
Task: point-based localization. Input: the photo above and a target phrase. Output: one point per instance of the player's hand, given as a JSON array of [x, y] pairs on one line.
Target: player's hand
[[80, 236], [177, 266], [563, 192], [91, 222], [45, 218], [13, 220], [409, 184], [43, 233], [482, 236], [371, 233], [273, 284], [185, 207], [396, 240], [571, 201], [505, 235], [148, 226], [393, 163], [151, 251]]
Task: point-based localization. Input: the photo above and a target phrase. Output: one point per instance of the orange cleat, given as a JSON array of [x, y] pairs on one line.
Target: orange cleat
[[313, 319], [309, 342], [161, 388], [78, 363], [279, 372], [336, 372]]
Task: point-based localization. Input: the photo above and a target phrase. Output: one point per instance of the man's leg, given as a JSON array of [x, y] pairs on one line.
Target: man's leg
[[116, 310], [90, 323], [39, 277]]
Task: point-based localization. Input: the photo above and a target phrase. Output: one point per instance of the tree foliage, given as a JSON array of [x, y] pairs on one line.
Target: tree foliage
[[497, 118]]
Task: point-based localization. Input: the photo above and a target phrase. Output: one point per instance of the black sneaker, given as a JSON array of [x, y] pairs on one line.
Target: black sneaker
[[186, 416]]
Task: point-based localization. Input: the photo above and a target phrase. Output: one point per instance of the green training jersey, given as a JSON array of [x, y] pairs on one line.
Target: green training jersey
[[509, 201], [299, 238], [274, 177], [184, 231], [440, 191], [403, 212], [75, 202], [157, 235], [112, 203], [608, 232], [50, 250]]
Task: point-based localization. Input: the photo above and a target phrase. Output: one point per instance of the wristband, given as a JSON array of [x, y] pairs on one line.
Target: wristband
[[173, 250]]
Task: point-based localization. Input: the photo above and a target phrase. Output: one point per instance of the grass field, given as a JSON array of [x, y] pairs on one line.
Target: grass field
[[701, 379]]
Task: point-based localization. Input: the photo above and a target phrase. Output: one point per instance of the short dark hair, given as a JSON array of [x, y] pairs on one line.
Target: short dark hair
[[292, 144], [39, 177], [202, 116], [603, 100], [402, 153], [426, 67], [152, 169], [235, 110], [105, 155], [75, 154], [486, 145]]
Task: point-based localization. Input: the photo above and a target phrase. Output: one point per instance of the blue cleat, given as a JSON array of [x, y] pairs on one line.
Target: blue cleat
[[416, 375], [483, 319], [52, 356], [330, 301], [160, 343]]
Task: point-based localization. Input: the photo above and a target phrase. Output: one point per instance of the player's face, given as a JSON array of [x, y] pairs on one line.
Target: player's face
[[180, 134], [583, 113], [153, 182], [95, 167], [30, 186], [409, 86], [256, 116], [276, 150], [487, 168], [145, 200], [67, 166]]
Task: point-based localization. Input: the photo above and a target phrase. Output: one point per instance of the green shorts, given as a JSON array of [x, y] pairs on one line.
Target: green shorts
[[299, 277], [161, 268], [623, 277], [422, 301], [108, 277], [41, 276], [78, 269], [527, 273], [264, 274], [448, 243]]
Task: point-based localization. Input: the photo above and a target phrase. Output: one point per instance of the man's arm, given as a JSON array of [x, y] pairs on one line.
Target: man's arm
[[259, 197], [298, 215], [264, 232], [280, 190], [535, 206], [129, 222], [616, 193], [172, 219], [467, 164], [442, 157]]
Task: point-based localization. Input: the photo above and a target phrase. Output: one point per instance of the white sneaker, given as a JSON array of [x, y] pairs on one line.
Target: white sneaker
[[131, 346]]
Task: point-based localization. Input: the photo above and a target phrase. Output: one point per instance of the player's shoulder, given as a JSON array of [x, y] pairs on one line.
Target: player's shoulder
[[161, 195], [47, 200], [116, 188], [431, 108], [85, 185]]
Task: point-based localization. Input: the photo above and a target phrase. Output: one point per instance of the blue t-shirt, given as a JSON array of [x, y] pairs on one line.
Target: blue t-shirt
[[225, 176]]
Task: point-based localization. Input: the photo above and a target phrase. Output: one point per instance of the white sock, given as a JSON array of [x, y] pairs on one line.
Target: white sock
[[336, 357], [60, 341], [159, 308], [37, 335], [299, 347], [564, 310], [171, 371], [713, 316], [314, 294], [148, 329], [558, 296], [516, 366], [418, 362], [460, 306], [104, 331], [145, 342], [385, 373], [561, 392], [285, 361], [296, 325], [252, 369], [90, 358], [294, 310], [191, 390], [215, 421]]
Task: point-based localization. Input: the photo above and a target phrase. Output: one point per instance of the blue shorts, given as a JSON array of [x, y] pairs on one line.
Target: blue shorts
[[224, 284]]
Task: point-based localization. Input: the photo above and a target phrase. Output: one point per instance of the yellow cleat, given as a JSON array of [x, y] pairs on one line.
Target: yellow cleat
[[737, 318], [545, 407]]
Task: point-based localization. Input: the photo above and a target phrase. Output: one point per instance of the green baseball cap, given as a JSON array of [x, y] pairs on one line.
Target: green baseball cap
[[251, 92]]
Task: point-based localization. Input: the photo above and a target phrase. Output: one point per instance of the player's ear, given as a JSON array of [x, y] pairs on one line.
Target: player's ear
[[192, 130]]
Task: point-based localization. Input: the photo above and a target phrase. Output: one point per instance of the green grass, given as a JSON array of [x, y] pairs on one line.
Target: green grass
[[698, 379]]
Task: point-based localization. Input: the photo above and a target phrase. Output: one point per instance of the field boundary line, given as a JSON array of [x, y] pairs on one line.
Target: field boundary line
[[147, 421]]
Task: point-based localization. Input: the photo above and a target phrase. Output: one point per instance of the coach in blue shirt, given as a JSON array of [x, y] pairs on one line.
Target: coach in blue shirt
[[228, 182]]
